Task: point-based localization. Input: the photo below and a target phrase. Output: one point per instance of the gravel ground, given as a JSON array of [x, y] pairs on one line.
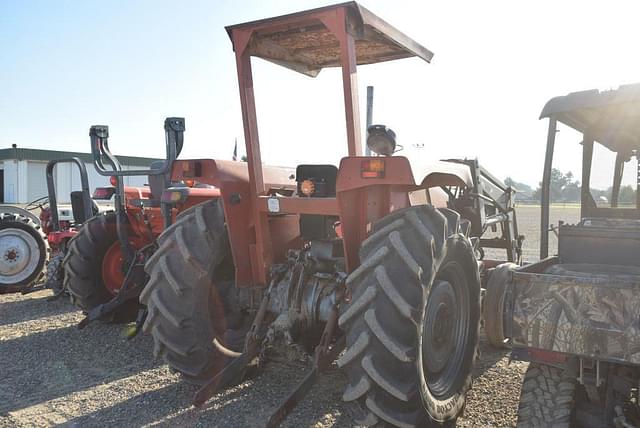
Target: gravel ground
[[52, 373]]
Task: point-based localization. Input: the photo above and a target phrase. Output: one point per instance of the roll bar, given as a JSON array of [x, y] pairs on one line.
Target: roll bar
[[51, 188], [99, 134]]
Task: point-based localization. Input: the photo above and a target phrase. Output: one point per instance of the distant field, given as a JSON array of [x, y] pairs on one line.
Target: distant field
[[529, 226]]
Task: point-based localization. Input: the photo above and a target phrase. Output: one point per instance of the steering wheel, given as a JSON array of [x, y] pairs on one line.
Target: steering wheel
[[39, 203]]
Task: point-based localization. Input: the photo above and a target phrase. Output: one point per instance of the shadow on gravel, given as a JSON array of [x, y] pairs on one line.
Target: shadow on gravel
[[489, 357], [246, 405], [34, 308], [43, 366], [166, 401]]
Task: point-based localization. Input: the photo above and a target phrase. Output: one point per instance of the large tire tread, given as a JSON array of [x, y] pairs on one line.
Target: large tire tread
[[404, 250], [177, 295], [83, 261], [547, 398]]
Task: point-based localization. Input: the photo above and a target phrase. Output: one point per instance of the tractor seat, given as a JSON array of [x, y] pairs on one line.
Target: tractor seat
[[77, 207], [157, 183]]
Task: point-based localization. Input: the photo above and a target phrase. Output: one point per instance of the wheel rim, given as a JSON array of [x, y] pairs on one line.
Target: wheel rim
[[112, 272], [19, 255], [113, 264], [445, 330]]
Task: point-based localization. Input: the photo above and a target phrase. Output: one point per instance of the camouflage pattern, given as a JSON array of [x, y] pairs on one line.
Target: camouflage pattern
[[579, 310]]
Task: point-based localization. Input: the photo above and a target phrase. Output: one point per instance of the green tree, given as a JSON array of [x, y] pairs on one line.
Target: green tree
[[627, 195], [562, 187]]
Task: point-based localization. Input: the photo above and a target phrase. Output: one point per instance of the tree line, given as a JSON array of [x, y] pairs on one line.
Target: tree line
[[565, 188]]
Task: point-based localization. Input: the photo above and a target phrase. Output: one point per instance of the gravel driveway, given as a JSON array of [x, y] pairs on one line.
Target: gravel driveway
[[52, 373]]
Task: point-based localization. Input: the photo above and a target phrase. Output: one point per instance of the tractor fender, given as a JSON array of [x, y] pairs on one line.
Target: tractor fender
[[442, 173], [399, 171], [584, 310], [10, 209]]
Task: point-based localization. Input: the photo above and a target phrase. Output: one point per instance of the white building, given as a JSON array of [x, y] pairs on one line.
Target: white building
[[23, 174]]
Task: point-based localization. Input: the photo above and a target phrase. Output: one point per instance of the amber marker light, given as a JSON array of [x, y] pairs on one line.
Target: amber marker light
[[307, 187], [372, 168]]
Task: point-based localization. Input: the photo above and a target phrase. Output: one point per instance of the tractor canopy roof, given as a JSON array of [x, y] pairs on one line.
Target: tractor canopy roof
[[303, 43], [610, 117]]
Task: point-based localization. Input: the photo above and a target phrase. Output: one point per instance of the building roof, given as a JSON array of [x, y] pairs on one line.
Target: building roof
[[610, 117], [47, 155]]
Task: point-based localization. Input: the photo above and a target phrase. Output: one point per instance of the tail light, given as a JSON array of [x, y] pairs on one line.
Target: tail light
[[372, 168], [104, 193], [113, 180]]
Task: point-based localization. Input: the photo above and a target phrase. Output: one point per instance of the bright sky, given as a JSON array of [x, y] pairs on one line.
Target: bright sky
[[65, 65]]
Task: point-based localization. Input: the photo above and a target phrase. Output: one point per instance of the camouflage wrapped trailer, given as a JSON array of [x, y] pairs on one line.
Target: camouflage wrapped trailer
[[576, 315], [586, 310]]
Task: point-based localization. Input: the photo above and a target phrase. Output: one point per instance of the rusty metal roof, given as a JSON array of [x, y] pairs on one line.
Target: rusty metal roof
[[301, 42], [611, 117]]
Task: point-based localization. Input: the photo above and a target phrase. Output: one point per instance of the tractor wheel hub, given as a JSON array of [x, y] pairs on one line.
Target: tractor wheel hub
[[445, 329], [440, 325], [20, 255]]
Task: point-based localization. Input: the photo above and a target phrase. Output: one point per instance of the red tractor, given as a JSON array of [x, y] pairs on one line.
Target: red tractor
[[35, 245], [103, 267], [375, 254]]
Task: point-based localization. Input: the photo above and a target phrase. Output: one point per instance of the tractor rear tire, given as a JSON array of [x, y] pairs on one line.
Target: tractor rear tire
[[24, 252], [413, 319], [185, 296], [83, 261], [493, 304], [547, 398]]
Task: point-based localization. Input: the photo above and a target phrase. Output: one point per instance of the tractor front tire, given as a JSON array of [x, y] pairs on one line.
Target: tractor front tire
[[493, 304], [23, 252], [185, 296], [83, 261], [413, 319]]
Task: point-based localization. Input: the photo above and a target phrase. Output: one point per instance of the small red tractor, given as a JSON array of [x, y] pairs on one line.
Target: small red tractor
[[103, 266], [375, 257], [34, 246]]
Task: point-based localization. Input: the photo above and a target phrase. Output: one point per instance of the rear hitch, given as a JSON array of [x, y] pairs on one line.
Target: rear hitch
[[325, 353]]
